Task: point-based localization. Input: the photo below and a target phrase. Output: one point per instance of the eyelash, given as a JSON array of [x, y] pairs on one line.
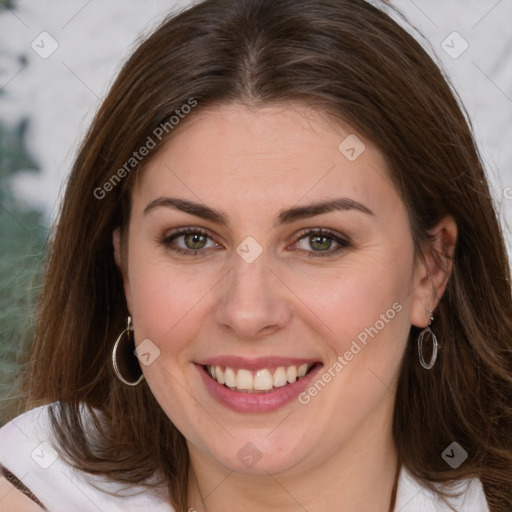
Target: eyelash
[[342, 242]]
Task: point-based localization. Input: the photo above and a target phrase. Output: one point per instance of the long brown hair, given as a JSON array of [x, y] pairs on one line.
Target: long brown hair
[[352, 61]]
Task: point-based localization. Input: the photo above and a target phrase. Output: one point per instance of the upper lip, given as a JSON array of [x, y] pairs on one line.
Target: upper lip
[[254, 363]]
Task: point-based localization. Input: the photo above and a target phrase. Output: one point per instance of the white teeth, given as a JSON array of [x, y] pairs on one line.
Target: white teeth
[[230, 377], [263, 380], [244, 380], [220, 375], [291, 374], [301, 371], [280, 377]]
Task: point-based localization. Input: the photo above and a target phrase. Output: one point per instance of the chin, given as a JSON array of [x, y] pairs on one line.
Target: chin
[[258, 455]]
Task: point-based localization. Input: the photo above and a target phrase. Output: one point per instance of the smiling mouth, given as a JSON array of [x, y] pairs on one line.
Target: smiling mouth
[[264, 380]]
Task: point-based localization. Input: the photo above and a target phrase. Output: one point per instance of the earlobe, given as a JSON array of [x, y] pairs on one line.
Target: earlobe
[[433, 269]]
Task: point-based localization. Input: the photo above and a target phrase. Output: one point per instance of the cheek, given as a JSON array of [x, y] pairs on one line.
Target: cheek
[[166, 306], [166, 300], [366, 311], [363, 291], [363, 307]]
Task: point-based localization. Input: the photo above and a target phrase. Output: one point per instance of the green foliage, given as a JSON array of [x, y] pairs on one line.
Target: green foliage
[[22, 245], [7, 4]]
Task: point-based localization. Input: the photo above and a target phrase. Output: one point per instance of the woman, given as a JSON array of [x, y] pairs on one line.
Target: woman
[[281, 205]]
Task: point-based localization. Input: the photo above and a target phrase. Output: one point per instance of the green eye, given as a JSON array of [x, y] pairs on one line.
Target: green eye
[[320, 243], [189, 242], [315, 242], [195, 241]]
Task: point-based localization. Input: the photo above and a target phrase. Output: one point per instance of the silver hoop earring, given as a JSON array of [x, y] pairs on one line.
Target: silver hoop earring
[[128, 369], [423, 333]]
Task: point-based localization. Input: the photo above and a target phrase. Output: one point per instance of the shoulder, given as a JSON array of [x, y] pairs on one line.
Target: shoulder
[[12, 499], [29, 452], [412, 496]]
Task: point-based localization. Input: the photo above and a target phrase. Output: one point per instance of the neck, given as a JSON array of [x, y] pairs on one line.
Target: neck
[[357, 477]]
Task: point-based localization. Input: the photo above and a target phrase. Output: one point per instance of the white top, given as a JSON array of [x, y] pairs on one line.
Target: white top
[[26, 451]]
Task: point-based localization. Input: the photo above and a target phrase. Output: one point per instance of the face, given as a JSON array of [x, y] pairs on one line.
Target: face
[[265, 244]]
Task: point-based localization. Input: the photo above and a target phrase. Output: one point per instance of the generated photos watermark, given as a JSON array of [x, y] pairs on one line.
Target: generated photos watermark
[[355, 348], [352, 147], [44, 45], [158, 134], [454, 455], [249, 454], [44, 455], [454, 45]]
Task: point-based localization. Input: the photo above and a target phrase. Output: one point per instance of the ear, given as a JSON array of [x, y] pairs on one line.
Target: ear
[[120, 256], [432, 270]]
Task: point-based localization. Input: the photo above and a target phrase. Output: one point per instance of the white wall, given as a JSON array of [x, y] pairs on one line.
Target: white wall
[[61, 93]]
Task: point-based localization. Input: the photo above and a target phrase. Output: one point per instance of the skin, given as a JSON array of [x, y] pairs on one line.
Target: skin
[[336, 452], [13, 500]]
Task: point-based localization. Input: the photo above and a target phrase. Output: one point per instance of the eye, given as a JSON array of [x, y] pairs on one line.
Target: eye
[[192, 241], [322, 242], [189, 241]]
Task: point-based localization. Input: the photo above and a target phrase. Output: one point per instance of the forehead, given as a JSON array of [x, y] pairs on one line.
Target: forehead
[[233, 154]]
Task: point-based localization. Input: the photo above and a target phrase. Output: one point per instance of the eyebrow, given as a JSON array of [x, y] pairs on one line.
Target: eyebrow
[[286, 216]]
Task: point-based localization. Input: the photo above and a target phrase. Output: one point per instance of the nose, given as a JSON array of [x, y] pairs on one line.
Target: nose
[[254, 302]]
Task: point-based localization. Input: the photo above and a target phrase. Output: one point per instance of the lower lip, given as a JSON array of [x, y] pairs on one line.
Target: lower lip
[[257, 402]]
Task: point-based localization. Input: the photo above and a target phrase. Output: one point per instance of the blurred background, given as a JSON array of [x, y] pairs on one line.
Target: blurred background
[[57, 59]]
